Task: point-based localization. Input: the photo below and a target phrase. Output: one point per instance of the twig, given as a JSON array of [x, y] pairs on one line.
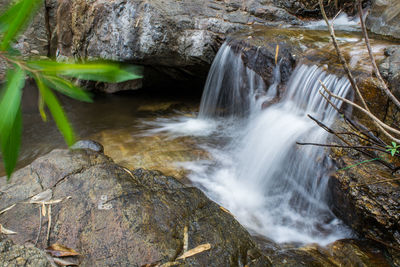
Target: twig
[[369, 154], [341, 146], [340, 55], [40, 225], [377, 182], [382, 83], [48, 225], [382, 125]]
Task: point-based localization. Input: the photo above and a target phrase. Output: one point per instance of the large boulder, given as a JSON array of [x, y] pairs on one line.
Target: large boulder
[[119, 217], [384, 18], [179, 38]]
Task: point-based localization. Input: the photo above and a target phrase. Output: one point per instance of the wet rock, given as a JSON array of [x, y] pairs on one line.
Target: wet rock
[[346, 252], [121, 217], [367, 198], [390, 68], [18, 255], [384, 18]]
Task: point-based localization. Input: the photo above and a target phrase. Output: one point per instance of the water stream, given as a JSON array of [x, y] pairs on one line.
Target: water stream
[[274, 187]]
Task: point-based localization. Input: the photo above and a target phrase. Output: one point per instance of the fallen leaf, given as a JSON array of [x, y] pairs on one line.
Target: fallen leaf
[[276, 54], [7, 209], [62, 262], [194, 251], [185, 239], [57, 250], [170, 263], [5, 231], [41, 197], [227, 211], [43, 210]]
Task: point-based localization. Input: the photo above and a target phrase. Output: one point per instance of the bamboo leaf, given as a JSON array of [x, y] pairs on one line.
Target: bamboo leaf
[[67, 88], [57, 112], [15, 19], [11, 144], [11, 118], [7, 17], [41, 105], [95, 71]]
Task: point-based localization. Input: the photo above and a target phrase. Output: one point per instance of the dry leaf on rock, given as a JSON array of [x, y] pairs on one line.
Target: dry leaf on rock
[[7, 209], [195, 251], [62, 262], [42, 197], [5, 231], [57, 250]]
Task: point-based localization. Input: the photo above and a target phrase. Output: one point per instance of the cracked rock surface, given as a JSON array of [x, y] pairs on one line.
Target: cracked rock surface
[[116, 217]]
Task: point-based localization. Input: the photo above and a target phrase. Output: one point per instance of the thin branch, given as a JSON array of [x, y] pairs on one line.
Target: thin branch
[[341, 146], [367, 153], [340, 55], [369, 114], [377, 182], [382, 83]]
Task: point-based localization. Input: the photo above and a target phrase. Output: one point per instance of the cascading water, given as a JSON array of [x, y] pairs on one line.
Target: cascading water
[[274, 187]]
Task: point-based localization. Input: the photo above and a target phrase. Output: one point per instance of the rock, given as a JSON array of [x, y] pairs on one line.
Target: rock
[[345, 252], [310, 8], [178, 37], [18, 255], [367, 198], [390, 68], [88, 144], [120, 217], [384, 18]]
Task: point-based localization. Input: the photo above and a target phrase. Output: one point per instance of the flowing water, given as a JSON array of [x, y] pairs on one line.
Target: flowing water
[[274, 187]]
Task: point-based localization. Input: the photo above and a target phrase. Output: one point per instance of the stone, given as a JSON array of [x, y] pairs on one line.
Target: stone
[[384, 18], [390, 68], [121, 217], [19, 255], [88, 144]]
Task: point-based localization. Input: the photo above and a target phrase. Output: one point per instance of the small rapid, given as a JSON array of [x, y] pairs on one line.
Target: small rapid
[[274, 187]]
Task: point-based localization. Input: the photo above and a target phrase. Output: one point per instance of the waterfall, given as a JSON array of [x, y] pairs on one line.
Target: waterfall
[[273, 186], [231, 88]]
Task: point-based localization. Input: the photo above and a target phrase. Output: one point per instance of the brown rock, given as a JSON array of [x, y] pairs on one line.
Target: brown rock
[[120, 217]]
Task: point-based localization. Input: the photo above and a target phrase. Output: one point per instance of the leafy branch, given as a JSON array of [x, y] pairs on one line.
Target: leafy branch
[[49, 75]]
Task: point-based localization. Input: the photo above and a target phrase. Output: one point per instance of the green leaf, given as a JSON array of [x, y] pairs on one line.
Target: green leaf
[[10, 146], [11, 99], [7, 17], [95, 71], [10, 118], [67, 88], [57, 112], [393, 152], [41, 105], [15, 19], [394, 144]]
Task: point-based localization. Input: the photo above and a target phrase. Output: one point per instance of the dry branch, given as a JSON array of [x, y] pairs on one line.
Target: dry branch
[[382, 83]]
